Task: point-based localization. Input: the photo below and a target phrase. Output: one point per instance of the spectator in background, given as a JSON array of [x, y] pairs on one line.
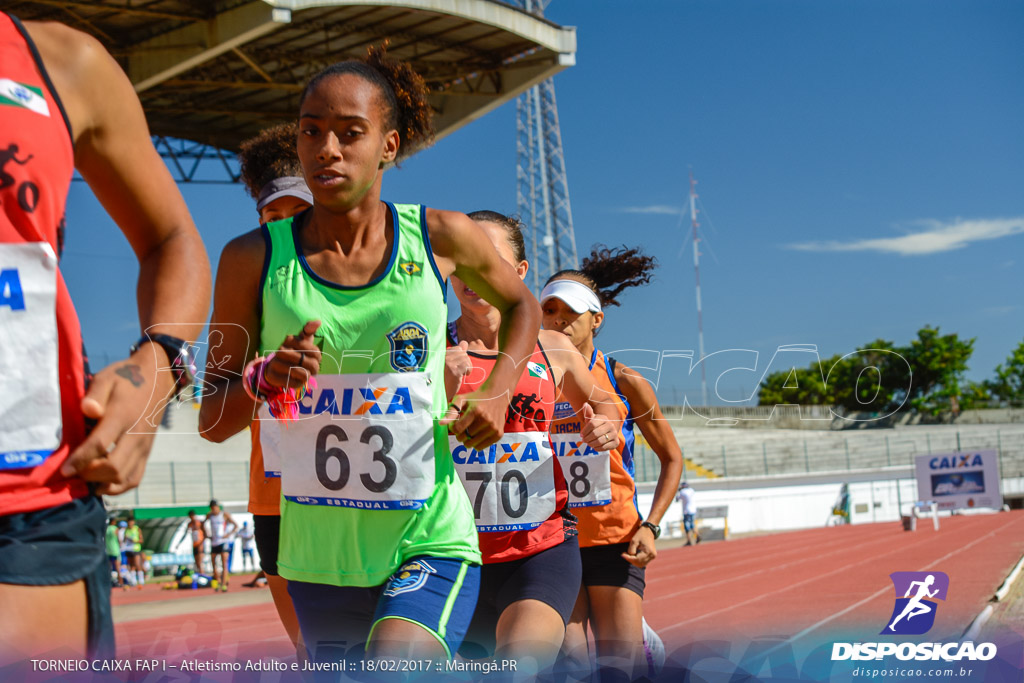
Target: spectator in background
[[133, 552], [248, 539], [687, 496], [113, 542], [127, 578], [221, 528], [195, 527]]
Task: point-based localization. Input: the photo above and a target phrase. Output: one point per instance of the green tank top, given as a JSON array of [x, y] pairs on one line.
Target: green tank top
[[343, 529], [132, 534], [113, 542]]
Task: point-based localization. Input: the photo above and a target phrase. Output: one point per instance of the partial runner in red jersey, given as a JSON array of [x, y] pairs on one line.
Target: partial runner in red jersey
[[66, 104], [531, 559]]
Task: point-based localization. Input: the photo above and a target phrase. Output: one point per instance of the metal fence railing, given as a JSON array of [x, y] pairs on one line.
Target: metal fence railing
[[735, 454], [725, 453], [185, 483]]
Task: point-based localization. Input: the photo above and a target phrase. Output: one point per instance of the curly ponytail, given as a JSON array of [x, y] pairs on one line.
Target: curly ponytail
[[403, 94], [609, 271]]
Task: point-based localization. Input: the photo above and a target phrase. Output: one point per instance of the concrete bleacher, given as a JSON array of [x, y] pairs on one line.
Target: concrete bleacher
[[185, 469], [728, 452]]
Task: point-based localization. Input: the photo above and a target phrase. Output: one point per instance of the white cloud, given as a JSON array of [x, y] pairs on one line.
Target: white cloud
[[999, 310], [937, 237], [660, 209]]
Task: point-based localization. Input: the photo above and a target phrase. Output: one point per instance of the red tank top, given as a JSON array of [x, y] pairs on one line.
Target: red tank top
[[36, 163], [516, 487]]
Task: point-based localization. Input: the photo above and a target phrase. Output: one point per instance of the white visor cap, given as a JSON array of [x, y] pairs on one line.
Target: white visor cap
[[576, 295]]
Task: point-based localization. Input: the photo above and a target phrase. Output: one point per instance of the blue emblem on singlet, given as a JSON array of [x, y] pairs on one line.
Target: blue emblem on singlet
[[408, 346], [409, 578], [563, 409]]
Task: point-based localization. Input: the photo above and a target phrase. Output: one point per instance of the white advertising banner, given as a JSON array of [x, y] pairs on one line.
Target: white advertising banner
[[959, 480]]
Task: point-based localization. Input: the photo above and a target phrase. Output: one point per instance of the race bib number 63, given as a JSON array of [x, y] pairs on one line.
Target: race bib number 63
[[367, 442]]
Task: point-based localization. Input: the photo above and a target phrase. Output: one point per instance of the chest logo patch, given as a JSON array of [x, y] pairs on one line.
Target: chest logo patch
[[408, 346]]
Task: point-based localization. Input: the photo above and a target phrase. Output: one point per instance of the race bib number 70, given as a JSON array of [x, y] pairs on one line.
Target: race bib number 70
[[510, 484], [366, 441]]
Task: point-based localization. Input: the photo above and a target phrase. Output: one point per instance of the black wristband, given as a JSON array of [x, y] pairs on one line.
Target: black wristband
[[655, 529], [179, 352]]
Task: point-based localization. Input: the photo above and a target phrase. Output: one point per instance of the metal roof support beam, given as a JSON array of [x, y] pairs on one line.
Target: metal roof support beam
[[492, 12], [190, 46]]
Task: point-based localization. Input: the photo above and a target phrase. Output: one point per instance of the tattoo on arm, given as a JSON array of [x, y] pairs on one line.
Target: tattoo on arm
[[132, 373]]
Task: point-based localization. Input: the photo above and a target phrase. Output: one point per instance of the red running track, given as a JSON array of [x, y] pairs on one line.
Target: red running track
[[829, 580], [794, 585]]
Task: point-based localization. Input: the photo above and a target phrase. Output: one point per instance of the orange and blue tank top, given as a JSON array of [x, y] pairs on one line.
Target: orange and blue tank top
[[602, 489]]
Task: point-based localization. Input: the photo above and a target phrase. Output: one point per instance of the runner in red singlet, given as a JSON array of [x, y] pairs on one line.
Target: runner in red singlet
[[531, 571], [66, 104]]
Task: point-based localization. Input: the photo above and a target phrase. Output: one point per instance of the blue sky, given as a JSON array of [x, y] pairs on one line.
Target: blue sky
[[860, 165]]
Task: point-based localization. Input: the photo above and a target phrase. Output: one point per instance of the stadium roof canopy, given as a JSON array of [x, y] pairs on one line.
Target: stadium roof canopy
[[218, 71]]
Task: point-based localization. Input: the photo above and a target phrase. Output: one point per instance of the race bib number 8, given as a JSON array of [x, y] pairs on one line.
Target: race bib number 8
[[360, 441], [510, 484], [587, 472], [30, 418]]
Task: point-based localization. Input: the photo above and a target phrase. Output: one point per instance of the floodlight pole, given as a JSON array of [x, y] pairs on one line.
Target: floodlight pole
[[696, 270], [542, 187]]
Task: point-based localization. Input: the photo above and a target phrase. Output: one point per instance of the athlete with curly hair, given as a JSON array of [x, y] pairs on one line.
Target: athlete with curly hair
[[272, 176], [616, 540]]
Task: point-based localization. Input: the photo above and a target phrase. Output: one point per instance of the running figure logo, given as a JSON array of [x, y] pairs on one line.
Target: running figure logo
[[914, 613]]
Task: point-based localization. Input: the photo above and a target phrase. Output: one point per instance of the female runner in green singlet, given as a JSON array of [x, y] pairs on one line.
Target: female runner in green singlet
[[377, 536]]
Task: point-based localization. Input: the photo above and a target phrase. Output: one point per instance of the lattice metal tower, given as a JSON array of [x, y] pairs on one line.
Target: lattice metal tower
[[542, 189]]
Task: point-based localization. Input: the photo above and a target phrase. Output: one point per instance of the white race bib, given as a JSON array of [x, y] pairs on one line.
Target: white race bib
[[30, 416], [361, 441], [587, 472], [510, 484]]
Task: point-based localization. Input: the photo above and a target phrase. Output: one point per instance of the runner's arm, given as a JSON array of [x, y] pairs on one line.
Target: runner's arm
[[115, 156], [648, 417], [461, 248], [228, 519], [652, 423], [578, 386], [234, 339]]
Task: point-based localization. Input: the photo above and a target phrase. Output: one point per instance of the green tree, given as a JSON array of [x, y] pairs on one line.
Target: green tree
[[938, 363], [1008, 385], [880, 377], [802, 386]]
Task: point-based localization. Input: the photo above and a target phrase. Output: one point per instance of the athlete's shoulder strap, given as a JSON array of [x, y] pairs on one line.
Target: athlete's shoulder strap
[[609, 367], [425, 232], [38, 59]]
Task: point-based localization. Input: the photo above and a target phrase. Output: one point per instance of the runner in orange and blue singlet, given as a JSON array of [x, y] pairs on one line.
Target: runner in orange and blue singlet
[[616, 540]]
